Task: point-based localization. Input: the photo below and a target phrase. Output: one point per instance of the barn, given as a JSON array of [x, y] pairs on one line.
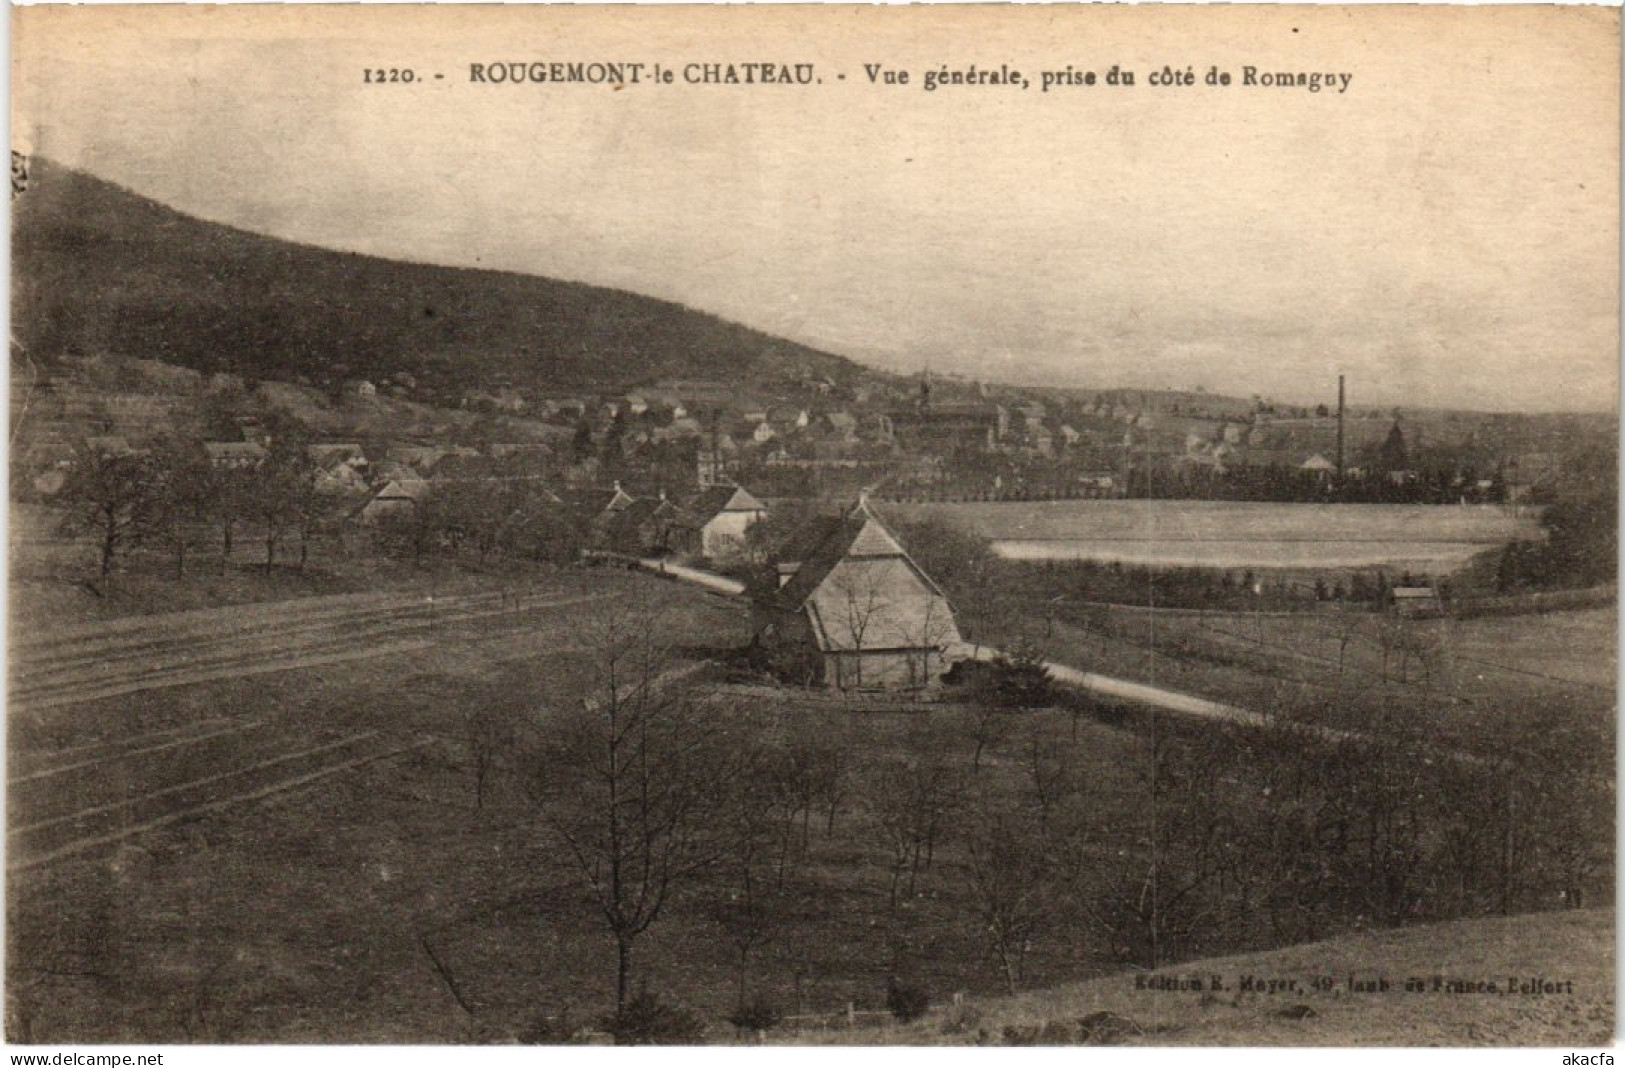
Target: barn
[[857, 613]]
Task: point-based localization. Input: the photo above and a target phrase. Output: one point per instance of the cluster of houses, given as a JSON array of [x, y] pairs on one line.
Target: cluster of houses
[[713, 524]]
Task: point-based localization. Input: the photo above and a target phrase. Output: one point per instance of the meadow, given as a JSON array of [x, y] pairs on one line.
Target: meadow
[[244, 879]]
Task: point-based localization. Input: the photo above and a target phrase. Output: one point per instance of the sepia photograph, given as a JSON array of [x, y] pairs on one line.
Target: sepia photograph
[[963, 525]]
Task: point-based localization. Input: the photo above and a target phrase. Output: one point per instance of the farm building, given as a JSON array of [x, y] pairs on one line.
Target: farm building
[[649, 526], [599, 510], [842, 425], [600, 504], [234, 454], [340, 478], [722, 514], [330, 453], [399, 497], [1416, 601], [857, 612], [111, 445]]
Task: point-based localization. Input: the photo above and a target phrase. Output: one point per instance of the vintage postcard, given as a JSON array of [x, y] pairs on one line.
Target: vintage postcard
[[993, 526]]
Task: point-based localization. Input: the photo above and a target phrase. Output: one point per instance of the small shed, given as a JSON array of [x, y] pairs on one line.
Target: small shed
[[1416, 601]]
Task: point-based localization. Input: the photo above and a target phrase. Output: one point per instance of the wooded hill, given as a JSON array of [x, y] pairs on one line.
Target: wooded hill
[[98, 269]]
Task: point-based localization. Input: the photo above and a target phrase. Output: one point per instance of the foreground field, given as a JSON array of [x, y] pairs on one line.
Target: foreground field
[[305, 854], [237, 858], [1574, 951]]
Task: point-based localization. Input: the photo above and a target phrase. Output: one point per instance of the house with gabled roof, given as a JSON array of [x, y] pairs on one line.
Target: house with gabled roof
[[722, 515], [1318, 466], [607, 501], [327, 454], [649, 526], [597, 509], [397, 498], [340, 479], [234, 454], [840, 424], [857, 612]]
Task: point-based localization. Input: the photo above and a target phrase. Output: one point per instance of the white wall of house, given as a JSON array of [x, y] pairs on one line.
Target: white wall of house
[[724, 536]]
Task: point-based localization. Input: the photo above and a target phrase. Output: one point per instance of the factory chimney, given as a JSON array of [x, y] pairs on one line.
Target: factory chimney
[[1339, 430]]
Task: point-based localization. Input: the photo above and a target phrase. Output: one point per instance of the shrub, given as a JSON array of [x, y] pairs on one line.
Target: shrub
[[645, 1020], [1106, 1029], [1022, 681], [962, 1019], [1007, 681], [1056, 1033], [1020, 1035], [557, 1030], [757, 1014], [906, 1001]]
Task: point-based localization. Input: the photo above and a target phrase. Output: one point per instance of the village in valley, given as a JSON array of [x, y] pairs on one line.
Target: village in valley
[[636, 677]]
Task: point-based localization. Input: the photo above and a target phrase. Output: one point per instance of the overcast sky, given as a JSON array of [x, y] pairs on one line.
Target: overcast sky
[[1445, 232]]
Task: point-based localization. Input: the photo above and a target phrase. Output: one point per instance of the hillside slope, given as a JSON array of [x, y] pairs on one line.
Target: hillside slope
[[99, 269], [1559, 947]]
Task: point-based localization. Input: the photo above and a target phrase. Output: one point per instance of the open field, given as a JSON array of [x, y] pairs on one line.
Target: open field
[[1572, 649], [1233, 534], [1565, 947], [296, 855], [72, 664], [268, 829], [1460, 670]]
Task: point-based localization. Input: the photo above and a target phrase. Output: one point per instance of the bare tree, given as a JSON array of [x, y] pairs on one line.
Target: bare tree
[[634, 779], [185, 494], [273, 501], [112, 497], [1051, 779], [1000, 688], [1010, 878], [281, 487], [928, 632], [308, 505], [415, 528], [232, 493], [1347, 626], [831, 775], [1184, 888], [912, 802], [989, 725], [746, 897], [483, 512], [1407, 641], [486, 739], [860, 602]]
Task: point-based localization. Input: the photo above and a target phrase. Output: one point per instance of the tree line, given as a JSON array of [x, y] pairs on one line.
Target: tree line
[[173, 498]]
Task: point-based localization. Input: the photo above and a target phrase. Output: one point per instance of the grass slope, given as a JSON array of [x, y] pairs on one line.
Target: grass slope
[[1574, 946], [98, 268]]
